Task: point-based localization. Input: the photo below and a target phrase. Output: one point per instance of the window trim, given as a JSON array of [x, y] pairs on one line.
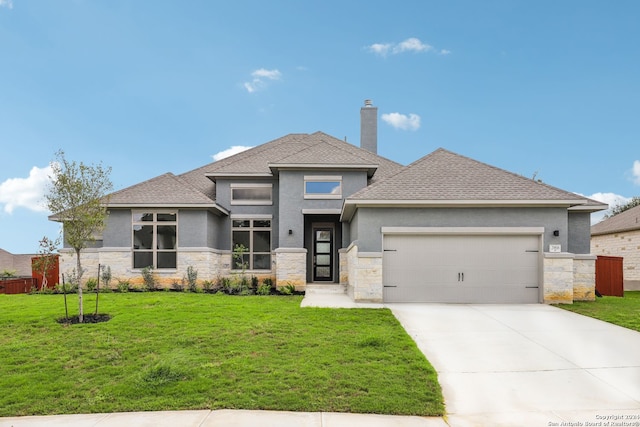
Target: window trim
[[251, 229], [250, 202], [322, 178], [154, 244]]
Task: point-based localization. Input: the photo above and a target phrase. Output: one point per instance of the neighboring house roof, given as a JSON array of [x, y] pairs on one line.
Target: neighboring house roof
[[447, 178], [164, 190], [628, 220]]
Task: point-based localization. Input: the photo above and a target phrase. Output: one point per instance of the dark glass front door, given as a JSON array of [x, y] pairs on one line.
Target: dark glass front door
[[322, 254]]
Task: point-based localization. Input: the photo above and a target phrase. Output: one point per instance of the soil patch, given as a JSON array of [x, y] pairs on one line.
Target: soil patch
[[87, 318]]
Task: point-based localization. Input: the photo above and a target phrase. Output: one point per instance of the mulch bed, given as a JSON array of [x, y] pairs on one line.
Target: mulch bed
[[87, 318]]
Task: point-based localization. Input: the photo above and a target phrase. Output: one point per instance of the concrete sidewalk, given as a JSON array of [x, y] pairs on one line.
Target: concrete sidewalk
[[222, 418]]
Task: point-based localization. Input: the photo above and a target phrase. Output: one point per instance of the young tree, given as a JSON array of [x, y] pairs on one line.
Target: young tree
[[46, 258], [77, 198]]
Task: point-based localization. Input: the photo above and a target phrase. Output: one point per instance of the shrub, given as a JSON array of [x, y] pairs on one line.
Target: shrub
[[254, 283], [6, 273], [92, 284], [287, 289], [263, 289], [192, 278], [149, 278], [179, 287], [66, 288], [123, 286], [208, 286], [106, 275]]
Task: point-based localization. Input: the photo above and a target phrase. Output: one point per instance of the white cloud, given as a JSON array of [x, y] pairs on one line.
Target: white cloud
[[402, 121], [610, 199], [26, 192], [635, 172], [380, 48], [6, 3], [230, 152], [411, 44], [260, 78]]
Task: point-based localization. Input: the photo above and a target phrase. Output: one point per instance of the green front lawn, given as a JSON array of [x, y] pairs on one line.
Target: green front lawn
[[622, 311], [170, 351]]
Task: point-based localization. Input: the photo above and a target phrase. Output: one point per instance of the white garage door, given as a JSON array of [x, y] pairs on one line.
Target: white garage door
[[461, 268]]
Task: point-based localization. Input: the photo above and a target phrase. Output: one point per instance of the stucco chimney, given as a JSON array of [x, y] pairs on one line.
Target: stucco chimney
[[369, 127]]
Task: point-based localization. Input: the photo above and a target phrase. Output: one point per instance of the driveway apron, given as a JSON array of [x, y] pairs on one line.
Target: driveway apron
[[532, 364]]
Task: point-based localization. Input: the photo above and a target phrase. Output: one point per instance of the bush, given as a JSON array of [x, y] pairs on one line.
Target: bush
[[192, 278], [92, 284], [178, 287], [123, 286], [106, 275], [66, 288], [287, 289], [208, 286], [263, 289], [149, 279]]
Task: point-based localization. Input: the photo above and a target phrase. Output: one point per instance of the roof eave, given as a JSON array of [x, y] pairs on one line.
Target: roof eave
[[213, 176], [209, 206], [589, 208], [276, 167], [349, 206]]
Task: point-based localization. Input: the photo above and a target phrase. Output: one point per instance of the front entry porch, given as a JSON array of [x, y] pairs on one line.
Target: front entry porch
[[322, 239]]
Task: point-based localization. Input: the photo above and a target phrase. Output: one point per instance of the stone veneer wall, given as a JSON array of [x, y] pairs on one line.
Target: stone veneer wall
[[584, 278], [209, 263], [291, 267], [568, 277], [344, 266], [364, 275], [623, 244]]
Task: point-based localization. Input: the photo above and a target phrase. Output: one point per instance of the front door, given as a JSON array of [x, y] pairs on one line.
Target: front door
[[323, 254]]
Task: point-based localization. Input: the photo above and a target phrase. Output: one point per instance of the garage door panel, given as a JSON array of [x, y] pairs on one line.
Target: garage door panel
[[462, 295], [461, 268]]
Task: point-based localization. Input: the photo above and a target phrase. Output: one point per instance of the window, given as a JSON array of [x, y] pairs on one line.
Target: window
[[255, 236], [155, 239], [322, 187], [251, 194]]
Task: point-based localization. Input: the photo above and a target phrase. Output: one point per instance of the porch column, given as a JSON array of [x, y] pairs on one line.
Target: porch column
[[291, 267]]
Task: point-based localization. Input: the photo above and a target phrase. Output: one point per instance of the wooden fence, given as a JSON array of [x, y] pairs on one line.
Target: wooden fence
[[609, 279], [20, 285]]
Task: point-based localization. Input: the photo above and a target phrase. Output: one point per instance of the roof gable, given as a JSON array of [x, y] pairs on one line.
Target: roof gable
[[300, 149], [628, 220], [447, 176]]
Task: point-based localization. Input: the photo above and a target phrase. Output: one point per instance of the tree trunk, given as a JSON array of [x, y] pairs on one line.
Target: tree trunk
[[79, 278]]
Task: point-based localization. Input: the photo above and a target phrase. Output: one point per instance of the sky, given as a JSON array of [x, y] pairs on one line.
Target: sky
[[545, 89]]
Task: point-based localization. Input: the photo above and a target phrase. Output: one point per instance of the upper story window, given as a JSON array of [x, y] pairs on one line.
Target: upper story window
[[322, 187], [251, 194], [155, 239]]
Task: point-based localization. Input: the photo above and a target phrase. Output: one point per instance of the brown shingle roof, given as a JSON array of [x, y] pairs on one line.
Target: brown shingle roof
[[628, 220], [301, 149], [446, 176], [166, 189]]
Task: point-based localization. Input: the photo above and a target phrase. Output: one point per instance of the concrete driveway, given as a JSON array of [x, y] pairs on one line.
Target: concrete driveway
[[522, 365]]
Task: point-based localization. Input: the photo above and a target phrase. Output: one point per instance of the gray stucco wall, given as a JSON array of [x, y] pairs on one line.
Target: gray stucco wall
[[117, 234], [223, 198], [579, 232], [369, 222], [192, 228], [292, 201]]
